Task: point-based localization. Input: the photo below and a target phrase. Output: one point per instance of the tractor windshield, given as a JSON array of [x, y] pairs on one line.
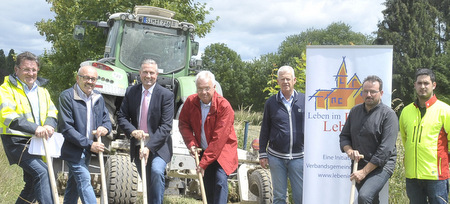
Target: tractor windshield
[[164, 45]]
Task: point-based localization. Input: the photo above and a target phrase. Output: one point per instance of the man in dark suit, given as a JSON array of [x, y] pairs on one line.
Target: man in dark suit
[[155, 105]]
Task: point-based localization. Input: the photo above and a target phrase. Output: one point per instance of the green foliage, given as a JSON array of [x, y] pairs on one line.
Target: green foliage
[[228, 69], [6, 64], [66, 54], [419, 32], [397, 186], [10, 61], [258, 72], [337, 33]]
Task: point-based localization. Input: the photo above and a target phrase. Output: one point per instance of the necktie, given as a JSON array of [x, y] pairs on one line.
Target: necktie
[[144, 112]]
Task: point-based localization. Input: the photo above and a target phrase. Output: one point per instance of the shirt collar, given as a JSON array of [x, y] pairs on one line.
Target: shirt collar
[[150, 90], [81, 93], [290, 98], [203, 105], [25, 86]]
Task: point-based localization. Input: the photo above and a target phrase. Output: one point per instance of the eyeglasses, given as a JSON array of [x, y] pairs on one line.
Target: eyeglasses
[[201, 90], [372, 92], [26, 70], [87, 78]]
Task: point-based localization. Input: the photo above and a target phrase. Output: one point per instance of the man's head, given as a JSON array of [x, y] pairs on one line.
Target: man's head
[[86, 78], [425, 83], [206, 86], [286, 79], [26, 68], [372, 90], [148, 73]]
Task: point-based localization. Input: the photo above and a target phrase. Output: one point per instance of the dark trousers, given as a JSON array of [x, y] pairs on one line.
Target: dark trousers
[[216, 184]]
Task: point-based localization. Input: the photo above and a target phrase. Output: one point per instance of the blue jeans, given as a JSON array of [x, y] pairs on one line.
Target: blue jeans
[[281, 170], [79, 182], [37, 182], [155, 177], [418, 191], [216, 184], [370, 187]]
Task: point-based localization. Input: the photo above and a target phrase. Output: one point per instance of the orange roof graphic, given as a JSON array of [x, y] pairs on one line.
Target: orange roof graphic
[[345, 95]]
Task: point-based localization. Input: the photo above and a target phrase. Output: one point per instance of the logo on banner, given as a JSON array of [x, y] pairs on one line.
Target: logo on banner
[[345, 95]]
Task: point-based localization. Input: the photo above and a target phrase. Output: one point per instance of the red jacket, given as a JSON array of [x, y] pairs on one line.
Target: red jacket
[[219, 131]]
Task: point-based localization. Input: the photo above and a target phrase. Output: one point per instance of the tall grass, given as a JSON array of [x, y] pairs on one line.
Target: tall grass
[[11, 179]]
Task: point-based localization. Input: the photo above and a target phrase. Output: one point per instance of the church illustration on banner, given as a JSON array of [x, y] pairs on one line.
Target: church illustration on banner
[[345, 95]]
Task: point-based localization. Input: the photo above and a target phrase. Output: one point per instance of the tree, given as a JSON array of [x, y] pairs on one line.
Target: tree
[[229, 71], [66, 54], [3, 72], [10, 61], [419, 35], [261, 73], [335, 34]]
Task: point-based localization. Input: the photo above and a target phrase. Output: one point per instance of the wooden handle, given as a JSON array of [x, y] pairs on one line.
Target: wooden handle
[[104, 195], [144, 175], [355, 168], [200, 178], [51, 173]]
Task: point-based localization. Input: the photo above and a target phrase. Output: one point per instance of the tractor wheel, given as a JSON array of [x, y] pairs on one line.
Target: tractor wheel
[[121, 179], [260, 184]]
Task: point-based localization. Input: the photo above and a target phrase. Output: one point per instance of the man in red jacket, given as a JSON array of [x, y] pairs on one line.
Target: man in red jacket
[[206, 122]]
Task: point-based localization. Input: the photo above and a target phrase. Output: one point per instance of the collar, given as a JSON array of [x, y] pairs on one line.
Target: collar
[[280, 96], [429, 103], [203, 105], [150, 90], [80, 93]]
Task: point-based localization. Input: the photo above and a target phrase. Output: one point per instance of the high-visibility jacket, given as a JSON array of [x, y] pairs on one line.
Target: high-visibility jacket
[[426, 140], [14, 104]]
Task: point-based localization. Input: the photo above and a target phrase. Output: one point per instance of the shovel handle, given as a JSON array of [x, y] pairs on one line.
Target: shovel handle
[[200, 177], [51, 173], [104, 196], [352, 192]]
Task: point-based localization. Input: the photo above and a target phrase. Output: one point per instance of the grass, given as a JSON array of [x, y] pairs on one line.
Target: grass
[[11, 176], [11, 179]]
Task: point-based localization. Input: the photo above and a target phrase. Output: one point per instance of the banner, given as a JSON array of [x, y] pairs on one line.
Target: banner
[[334, 76]]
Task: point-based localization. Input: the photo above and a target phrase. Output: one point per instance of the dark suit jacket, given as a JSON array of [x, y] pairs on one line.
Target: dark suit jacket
[[160, 118]]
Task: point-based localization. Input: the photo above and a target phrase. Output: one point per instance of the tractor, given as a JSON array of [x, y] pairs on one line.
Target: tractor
[[152, 33]]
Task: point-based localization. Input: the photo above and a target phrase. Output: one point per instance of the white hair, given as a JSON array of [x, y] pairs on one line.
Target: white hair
[[286, 69], [205, 75]]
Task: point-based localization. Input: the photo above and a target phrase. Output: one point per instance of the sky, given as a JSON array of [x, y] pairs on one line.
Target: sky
[[249, 27]]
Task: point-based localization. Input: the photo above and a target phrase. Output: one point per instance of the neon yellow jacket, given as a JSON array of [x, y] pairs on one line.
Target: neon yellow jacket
[[426, 140], [14, 104]]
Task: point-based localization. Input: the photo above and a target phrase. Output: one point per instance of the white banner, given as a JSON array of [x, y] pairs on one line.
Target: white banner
[[334, 76]]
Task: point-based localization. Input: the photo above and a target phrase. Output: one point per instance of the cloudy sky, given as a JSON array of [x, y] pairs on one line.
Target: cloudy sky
[[249, 27]]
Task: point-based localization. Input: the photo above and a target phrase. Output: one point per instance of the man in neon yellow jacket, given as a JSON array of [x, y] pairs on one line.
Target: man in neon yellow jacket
[[424, 126], [26, 110]]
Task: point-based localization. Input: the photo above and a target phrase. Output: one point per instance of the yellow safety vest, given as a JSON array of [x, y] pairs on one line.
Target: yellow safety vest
[[14, 103]]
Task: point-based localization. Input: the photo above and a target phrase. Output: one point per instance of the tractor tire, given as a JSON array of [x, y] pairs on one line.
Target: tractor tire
[[260, 184], [121, 179]]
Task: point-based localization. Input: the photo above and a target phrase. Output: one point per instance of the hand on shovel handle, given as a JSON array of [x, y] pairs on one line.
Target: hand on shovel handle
[[104, 196], [200, 176], [355, 168]]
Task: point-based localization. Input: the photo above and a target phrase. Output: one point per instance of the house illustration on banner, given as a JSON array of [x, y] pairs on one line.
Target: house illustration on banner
[[345, 95]]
